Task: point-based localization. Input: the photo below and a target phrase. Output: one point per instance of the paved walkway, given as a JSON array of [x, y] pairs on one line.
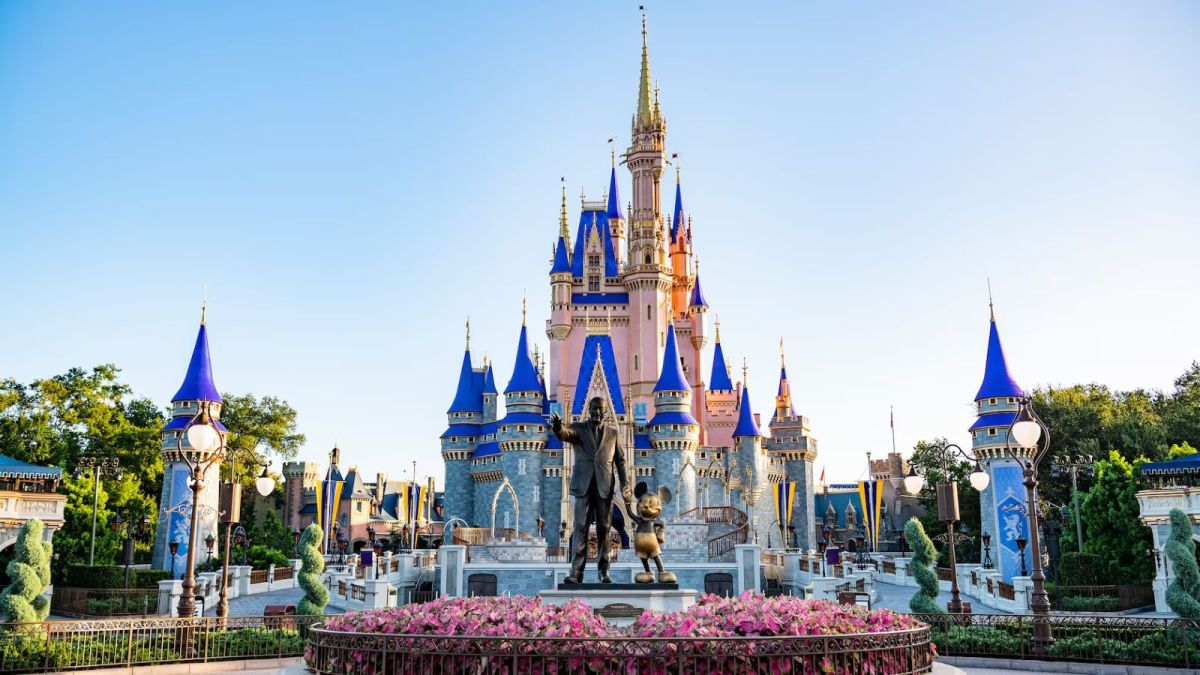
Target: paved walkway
[[896, 598], [255, 605]]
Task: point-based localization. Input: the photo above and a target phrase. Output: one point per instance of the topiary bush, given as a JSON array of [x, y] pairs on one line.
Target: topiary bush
[[1183, 595], [29, 570], [923, 601], [316, 596]]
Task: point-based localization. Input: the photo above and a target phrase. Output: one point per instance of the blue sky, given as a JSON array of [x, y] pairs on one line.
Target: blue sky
[[352, 183]]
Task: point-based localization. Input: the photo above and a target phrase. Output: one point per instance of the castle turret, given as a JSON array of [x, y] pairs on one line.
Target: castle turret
[[674, 432], [522, 438], [198, 392], [793, 448], [1002, 504], [697, 308], [721, 398], [616, 219], [680, 247], [461, 438], [298, 476]]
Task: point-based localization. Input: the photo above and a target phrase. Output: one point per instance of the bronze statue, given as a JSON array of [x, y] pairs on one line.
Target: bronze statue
[[598, 456], [650, 532]]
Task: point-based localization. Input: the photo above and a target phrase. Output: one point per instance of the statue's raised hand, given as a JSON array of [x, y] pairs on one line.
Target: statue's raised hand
[[555, 422]]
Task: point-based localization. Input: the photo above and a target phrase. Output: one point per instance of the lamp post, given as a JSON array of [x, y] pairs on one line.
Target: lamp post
[[231, 497], [947, 501], [99, 467], [173, 547], [131, 531], [1074, 466], [1021, 543], [1028, 430], [239, 538], [208, 543]]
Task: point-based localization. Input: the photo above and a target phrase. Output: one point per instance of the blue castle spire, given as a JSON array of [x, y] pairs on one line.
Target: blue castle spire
[[997, 381], [720, 372], [525, 375], [698, 295], [614, 198], [746, 425], [672, 378], [678, 220], [467, 398], [198, 383], [562, 263], [489, 381]]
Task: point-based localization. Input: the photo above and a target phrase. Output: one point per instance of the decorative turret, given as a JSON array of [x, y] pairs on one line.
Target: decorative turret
[[674, 432], [521, 434], [997, 400], [198, 392], [720, 370], [616, 219], [747, 426], [681, 256], [489, 392], [791, 445], [462, 435]]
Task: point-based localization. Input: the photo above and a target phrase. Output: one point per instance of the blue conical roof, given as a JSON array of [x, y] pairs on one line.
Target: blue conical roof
[[996, 380], [614, 198], [198, 383], [782, 379], [467, 398], [720, 374], [746, 425], [489, 381], [671, 378], [678, 220], [698, 295], [525, 374], [561, 262]]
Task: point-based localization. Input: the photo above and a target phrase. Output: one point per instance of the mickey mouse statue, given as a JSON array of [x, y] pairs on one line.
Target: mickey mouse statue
[[649, 532]]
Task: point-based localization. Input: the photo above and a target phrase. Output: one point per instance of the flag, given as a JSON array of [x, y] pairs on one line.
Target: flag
[[870, 495], [785, 494], [892, 415], [822, 481], [329, 494]]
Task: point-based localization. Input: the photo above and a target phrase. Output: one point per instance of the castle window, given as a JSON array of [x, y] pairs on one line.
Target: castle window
[[991, 432], [704, 455], [635, 361], [991, 401], [643, 453], [537, 495], [1012, 400], [647, 258], [553, 455], [520, 467], [593, 283], [594, 260]]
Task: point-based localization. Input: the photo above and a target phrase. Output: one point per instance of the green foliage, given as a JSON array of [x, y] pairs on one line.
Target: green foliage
[[258, 426], [29, 572], [1180, 450], [1112, 529], [316, 596], [978, 640], [1183, 595], [926, 457], [1081, 569], [111, 576], [1079, 603], [924, 601], [273, 534]]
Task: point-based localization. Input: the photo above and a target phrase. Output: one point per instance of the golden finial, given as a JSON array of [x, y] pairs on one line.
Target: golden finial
[[745, 374], [204, 305], [781, 351], [523, 306], [991, 309], [717, 326], [468, 333], [563, 231]]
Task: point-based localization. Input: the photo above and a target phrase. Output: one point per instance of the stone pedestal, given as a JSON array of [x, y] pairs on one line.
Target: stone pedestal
[[621, 604]]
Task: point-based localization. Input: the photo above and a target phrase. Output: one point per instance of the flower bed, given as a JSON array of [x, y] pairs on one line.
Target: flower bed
[[717, 635]]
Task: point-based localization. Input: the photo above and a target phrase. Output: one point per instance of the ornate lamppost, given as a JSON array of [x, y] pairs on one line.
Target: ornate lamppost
[[242, 541], [1028, 430], [173, 547], [986, 562], [231, 497], [1021, 543], [99, 468], [947, 501], [209, 541], [1073, 466]]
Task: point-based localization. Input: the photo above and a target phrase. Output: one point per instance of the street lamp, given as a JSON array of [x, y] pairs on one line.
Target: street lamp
[[231, 497], [947, 501], [99, 467], [131, 531], [208, 543], [1021, 543], [239, 538], [173, 547], [1028, 430], [1074, 466], [986, 563]]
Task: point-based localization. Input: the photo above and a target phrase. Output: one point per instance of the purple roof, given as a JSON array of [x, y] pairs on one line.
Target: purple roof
[[746, 425], [698, 296], [720, 375], [614, 198], [677, 221], [198, 383], [996, 380]]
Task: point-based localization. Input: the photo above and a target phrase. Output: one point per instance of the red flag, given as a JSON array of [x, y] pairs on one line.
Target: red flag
[[822, 474]]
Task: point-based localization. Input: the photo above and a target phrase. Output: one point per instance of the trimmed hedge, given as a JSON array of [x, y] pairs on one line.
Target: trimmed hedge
[[1079, 603], [112, 576], [1081, 569]]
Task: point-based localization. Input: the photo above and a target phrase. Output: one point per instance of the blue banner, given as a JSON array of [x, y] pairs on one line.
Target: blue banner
[[1011, 521], [179, 523]]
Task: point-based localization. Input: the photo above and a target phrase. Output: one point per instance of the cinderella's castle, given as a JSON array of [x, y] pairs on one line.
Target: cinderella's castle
[[627, 324]]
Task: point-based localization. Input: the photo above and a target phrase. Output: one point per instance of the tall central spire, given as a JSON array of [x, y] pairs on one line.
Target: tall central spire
[[645, 108]]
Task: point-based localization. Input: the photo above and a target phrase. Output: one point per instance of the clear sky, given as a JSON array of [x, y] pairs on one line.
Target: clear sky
[[352, 182]]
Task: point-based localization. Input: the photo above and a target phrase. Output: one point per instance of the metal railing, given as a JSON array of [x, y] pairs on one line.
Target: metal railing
[[53, 646], [897, 652], [1093, 639], [945, 574], [104, 602]]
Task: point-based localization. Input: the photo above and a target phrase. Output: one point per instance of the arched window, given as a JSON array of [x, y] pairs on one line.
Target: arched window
[[647, 258], [647, 312]]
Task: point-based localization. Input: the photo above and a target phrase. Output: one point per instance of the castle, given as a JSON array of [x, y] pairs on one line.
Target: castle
[[627, 324]]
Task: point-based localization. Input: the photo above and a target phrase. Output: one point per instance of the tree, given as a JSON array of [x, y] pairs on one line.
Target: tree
[[926, 458], [1112, 529], [258, 428], [1183, 595], [316, 596], [924, 601], [29, 571], [1180, 450]]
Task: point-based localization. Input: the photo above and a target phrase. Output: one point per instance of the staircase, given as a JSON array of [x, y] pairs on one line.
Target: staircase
[[727, 526]]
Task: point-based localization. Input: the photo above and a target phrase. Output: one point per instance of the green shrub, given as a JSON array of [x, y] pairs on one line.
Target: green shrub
[[147, 578], [924, 601], [112, 576], [1081, 569], [261, 557], [1183, 595], [977, 640], [1079, 603], [316, 596], [29, 570]]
